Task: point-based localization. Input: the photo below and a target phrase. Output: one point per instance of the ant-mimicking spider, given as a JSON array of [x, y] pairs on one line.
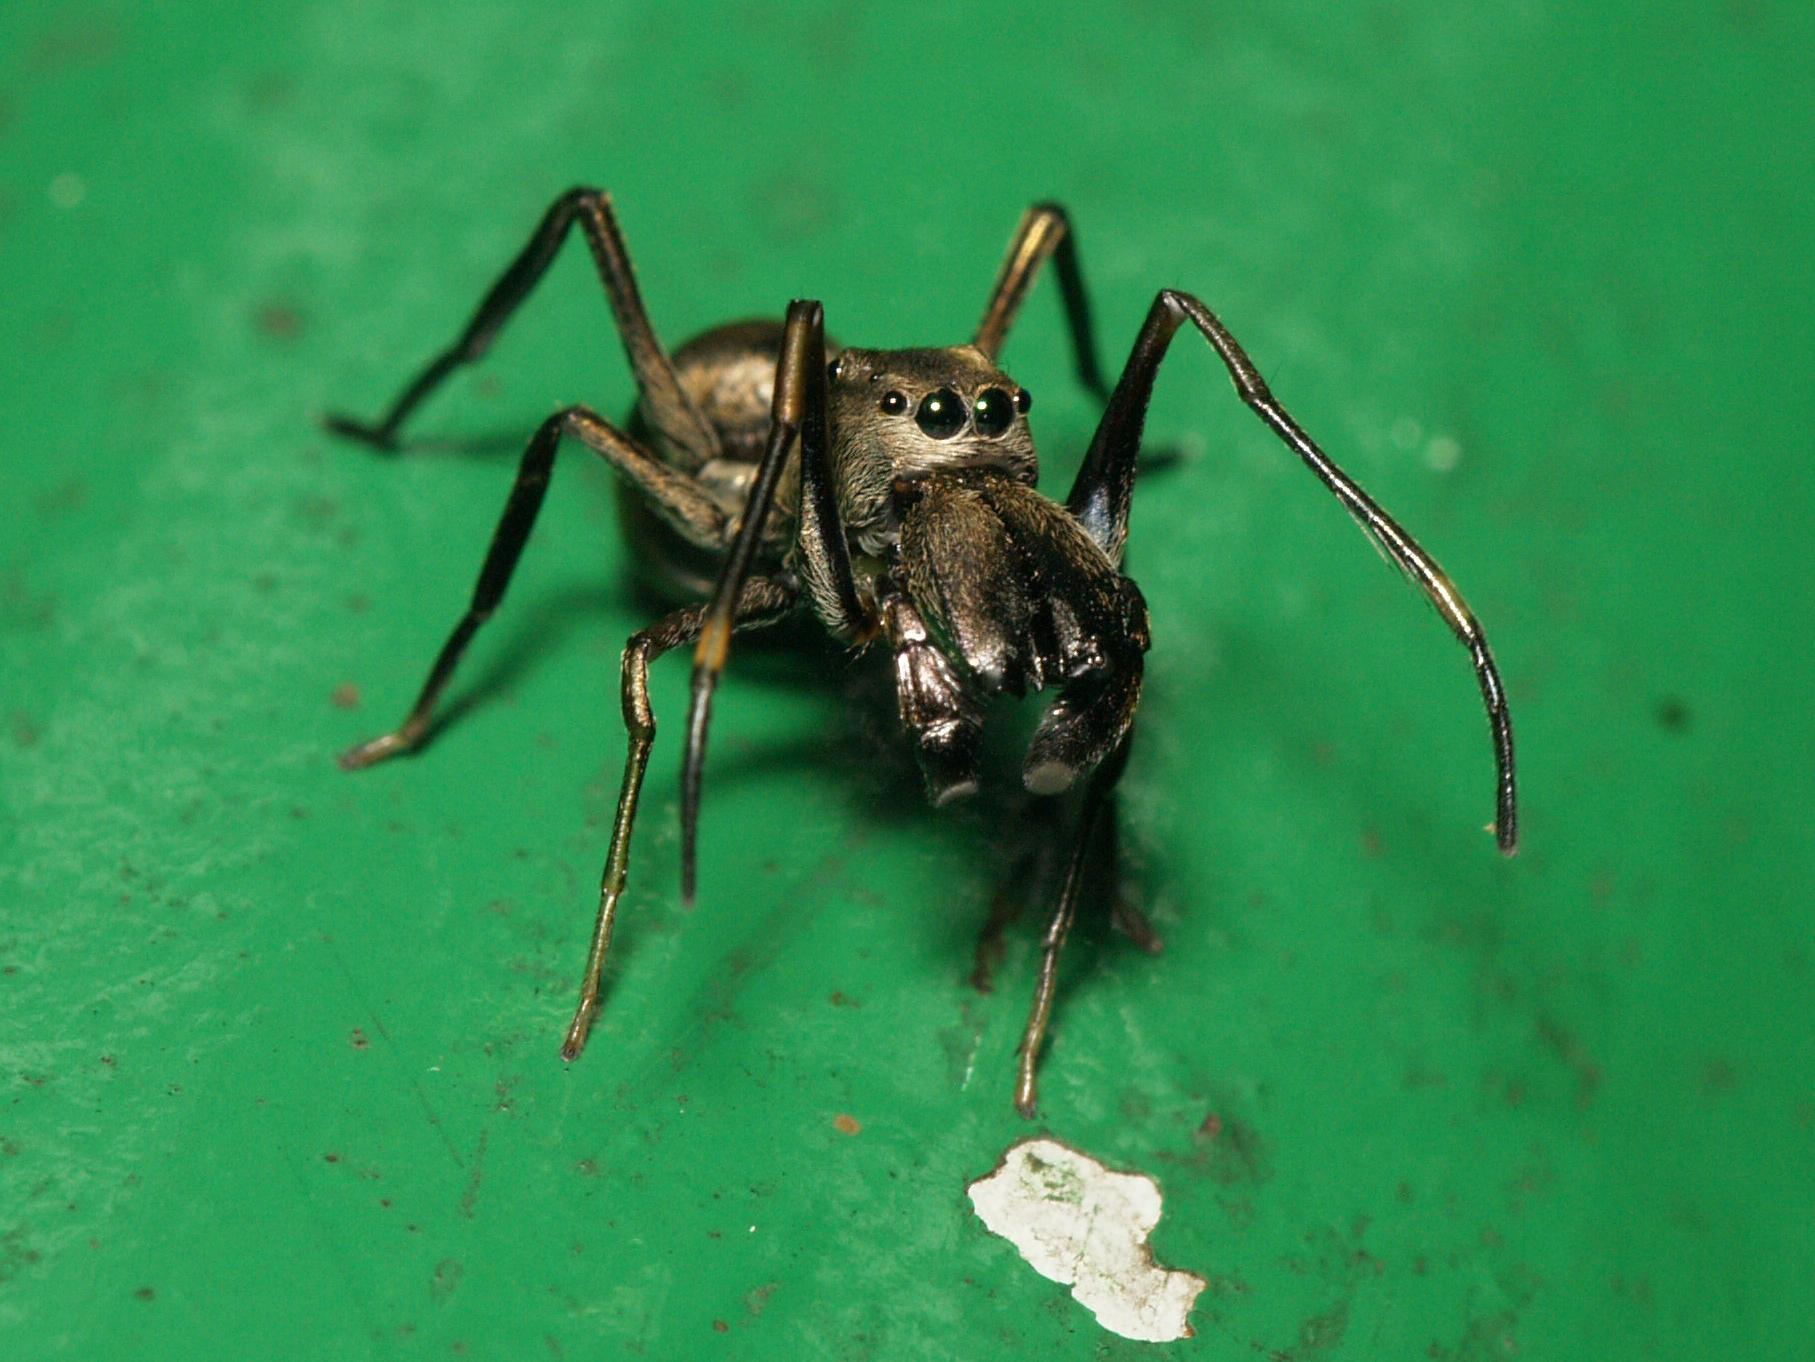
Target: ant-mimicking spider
[[892, 494]]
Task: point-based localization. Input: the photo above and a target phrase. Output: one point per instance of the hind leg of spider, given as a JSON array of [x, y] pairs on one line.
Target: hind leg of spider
[[669, 410], [1091, 811], [1030, 874], [1124, 916], [676, 496], [761, 601]]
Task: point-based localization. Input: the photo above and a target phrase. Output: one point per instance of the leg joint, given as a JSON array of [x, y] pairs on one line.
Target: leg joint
[[639, 718], [579, 196]]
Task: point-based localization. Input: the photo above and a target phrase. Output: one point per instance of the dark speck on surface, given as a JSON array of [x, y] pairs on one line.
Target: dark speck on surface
[[278, 321], [1228, 1150], [63, 497], [1320, 1333], [1673, 715], [1719, 1075], [74, 43], [1568, 1047], [448, 1273], [145, 1293], [271, 91]]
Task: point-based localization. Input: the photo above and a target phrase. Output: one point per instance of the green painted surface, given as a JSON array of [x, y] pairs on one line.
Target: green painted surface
[[279, 1043]]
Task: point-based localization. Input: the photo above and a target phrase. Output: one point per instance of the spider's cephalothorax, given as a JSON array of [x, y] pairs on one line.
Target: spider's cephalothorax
[[915, 413], [892, 493]]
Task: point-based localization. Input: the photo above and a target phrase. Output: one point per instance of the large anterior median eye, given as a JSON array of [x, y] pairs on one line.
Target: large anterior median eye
[[941, 414], [993, 412]]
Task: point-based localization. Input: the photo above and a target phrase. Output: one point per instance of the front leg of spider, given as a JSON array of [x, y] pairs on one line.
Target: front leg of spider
[[1104, 489], [821, 554]]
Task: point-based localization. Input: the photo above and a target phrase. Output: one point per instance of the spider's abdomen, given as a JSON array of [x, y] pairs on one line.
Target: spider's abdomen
[[1012, 587], [729, 375]]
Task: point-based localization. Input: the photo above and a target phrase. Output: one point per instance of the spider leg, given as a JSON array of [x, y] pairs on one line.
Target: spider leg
[[670, 411], [762, 601], [1095, 803], [821, 554], [1031, 872], [1044, 233], [1101, 496], [674, 494], [1124, 916]]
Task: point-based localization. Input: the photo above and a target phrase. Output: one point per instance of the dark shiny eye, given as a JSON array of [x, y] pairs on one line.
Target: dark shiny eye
[[832, 370], [1023, 400], [993, 412], [894, 403], [941, 414]]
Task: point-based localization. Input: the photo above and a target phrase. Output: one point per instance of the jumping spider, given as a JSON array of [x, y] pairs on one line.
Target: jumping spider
[[909, 516]]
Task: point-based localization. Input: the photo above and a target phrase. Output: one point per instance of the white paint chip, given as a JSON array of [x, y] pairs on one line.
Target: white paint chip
[[1078, 1223]]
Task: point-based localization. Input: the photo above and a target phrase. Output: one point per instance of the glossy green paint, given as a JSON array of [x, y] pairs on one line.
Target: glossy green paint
[[279, 1043]]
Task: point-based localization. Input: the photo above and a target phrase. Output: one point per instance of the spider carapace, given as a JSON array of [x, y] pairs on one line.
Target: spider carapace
[[892, 494]]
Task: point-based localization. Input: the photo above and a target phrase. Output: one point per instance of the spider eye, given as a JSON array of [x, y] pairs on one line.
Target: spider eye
[[1023, 400], [993, 411], [941, 414], [894, 403], [833, 368]]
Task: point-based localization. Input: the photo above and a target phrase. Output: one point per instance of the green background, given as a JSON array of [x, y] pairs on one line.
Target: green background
[[279, 1043]]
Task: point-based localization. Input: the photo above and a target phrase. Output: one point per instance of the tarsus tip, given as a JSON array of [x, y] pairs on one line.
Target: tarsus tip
[[348, 428]]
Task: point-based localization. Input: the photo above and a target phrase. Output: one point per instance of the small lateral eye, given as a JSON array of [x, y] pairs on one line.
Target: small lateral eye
[[941, 414], [1023, 400], [894, 403], [993, 411]]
